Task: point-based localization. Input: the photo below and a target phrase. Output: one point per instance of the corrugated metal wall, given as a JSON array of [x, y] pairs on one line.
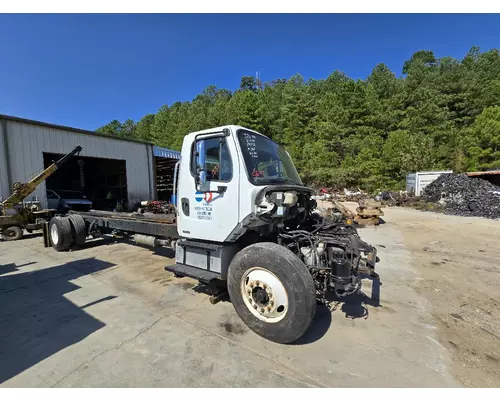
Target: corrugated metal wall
[[4, 179], [27, 143]]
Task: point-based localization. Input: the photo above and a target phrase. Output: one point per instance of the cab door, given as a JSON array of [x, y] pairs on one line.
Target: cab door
[[209, 211]]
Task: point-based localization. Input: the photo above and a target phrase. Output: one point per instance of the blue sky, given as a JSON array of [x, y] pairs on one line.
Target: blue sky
[[85, 70]]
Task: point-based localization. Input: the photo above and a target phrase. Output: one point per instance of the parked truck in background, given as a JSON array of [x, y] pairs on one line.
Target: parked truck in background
[[17, 214], [245, 220]]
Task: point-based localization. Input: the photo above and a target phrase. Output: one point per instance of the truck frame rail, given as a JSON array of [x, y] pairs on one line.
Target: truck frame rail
[[162, 225]]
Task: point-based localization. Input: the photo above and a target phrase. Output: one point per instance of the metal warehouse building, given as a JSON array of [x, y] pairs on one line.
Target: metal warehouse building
[[108, 168]]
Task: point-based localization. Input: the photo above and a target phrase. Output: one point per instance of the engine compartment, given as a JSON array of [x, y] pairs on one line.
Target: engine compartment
[[333, 251]]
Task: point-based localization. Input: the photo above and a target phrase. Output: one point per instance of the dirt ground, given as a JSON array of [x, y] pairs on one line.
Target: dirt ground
[[109, 315], [457, 261]]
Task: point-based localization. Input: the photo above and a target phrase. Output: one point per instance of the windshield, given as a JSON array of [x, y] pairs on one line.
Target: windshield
[[267, 162], [70, 194]]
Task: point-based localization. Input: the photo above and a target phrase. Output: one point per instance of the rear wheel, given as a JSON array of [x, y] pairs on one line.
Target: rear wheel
[[12, 233], [272, 291], [61, 236], [78, 229]]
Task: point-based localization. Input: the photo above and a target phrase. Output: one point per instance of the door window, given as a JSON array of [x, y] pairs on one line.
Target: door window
[[217, 160]]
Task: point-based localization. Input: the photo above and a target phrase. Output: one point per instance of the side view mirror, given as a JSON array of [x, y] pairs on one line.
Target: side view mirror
[[201, 174], [201, 182]]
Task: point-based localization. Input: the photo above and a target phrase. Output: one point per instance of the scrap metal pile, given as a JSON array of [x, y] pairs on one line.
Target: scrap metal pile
[[462, 195], [368, 210], [156, 207]]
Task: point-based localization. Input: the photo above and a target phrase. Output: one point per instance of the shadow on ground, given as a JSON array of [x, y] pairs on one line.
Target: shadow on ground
[[26, 236], [354, 306], [8, 268], [32, 235], [101, 241], [319, 326], [381, 221], [36, 319]]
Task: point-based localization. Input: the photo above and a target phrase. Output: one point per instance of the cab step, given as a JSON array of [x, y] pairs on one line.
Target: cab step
[[193, 272]]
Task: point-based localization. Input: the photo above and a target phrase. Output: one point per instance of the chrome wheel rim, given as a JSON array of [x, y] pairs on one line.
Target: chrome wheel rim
[[54, 236], [264, 295]]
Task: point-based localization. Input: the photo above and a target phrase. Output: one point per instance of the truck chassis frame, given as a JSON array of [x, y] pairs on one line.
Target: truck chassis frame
[[147, 224]]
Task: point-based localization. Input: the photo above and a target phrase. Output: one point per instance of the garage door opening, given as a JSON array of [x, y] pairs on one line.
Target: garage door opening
[[101, 180], [164, 167]]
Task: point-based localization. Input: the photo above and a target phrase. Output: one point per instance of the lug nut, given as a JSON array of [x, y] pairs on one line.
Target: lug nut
[[268, 308], [271, 303], [262, 310], [257, 283], [264, 286], [255, 306]]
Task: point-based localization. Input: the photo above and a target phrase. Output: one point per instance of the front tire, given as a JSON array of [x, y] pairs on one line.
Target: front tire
[[12, 233], [272, 291]]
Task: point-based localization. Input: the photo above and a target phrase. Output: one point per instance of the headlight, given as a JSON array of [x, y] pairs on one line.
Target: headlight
[[372, 257]]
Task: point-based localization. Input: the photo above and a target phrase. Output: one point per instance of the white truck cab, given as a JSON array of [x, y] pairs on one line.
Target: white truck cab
[[222, 171]]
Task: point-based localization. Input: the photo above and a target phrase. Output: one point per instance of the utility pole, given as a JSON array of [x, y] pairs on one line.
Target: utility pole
[[257, 80]]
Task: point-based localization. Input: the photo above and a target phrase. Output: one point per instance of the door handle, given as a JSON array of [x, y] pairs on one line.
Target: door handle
[[185, 206]]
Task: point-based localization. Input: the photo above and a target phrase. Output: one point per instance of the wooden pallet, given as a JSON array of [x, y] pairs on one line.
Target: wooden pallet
[[368, 212], [367, 221]]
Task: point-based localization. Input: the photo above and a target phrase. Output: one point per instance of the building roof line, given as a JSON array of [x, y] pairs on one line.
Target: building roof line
[[69, 128]]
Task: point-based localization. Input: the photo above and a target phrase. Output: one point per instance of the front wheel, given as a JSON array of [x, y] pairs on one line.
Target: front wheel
[[12, 233], [272, 291]]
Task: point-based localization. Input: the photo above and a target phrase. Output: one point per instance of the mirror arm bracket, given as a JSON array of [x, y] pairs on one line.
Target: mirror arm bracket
[[221, 189]]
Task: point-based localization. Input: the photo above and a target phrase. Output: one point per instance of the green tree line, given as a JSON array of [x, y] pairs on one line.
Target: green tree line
[[440, 113]]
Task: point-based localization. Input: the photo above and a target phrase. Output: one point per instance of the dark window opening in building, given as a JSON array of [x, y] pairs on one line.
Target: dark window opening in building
[[102, 181], [164, 171]]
